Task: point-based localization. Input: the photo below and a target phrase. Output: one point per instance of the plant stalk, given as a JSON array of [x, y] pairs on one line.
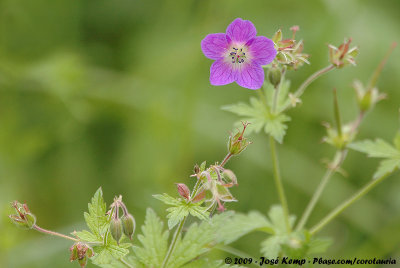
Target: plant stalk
[[308, 81], [368, 187], [278, 182], [124, 262], [39, 229], [173, 242], [338, 160]]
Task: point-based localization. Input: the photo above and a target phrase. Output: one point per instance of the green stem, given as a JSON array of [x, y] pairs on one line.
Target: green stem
[[278, 182], [368, 187], [124, 262], [308, 81], [338, 160], [39, 229], [173, 242]]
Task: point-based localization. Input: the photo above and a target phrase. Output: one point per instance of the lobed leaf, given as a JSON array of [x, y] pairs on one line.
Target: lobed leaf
[[154, 241]]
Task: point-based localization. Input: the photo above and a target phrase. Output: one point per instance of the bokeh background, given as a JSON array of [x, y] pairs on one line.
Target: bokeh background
[[116, 94]]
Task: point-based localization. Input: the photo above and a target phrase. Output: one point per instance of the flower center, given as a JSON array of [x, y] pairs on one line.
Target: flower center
[[238, 55]]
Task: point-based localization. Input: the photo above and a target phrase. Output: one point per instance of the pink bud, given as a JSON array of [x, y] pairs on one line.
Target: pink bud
[[183, 190]]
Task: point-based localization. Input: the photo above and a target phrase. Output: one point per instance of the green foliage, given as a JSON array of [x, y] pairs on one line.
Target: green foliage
[[105, 247], [296, 244], [380, 149], [260, 118], [198, 239], [241, 224], [154, 241], [181, 208], [96, 219]]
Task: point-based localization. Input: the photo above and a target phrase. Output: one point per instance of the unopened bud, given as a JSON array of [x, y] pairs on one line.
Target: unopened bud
[[183, 190], [274, 76], [128, 225], [277, 36], [238, 143], [196, 169], [116, 228], [23, 217], [200, 196]]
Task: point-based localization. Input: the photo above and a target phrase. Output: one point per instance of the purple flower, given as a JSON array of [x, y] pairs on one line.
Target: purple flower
[[239, 55]]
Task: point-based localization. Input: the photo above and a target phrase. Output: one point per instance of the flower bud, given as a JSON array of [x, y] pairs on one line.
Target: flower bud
[[81, 252], [23, 217], [238, 143], [343, 55], [116, 228], [128, 225], [199, 197], [274, 76], [183, 190], [277, 36]]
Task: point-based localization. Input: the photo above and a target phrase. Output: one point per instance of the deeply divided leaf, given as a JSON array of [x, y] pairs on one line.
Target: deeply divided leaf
[[154, 241]]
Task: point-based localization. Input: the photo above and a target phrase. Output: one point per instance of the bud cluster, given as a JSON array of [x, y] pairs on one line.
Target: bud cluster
[[290, 52], [81, 252], [121, 225], [343, 55], [23, 217]]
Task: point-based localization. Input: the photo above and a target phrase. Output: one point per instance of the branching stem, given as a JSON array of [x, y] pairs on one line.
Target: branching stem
[[308, 81], [368, 187]]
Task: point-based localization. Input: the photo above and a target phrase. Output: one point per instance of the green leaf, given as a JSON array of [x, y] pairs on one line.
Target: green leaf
[[181, 208], [271, 247], [87, 236], [318, 245], [277, 218], [241, 224], [96, 219], [260, 118], [387, 166], [176, 214], [199, 212], [276, 127], [378, 148], [108, 253], [197, 241], [397, 140], [167, 199], [154, 241]]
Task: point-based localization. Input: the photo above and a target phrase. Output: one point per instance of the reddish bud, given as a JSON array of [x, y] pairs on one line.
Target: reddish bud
[[183, 190]]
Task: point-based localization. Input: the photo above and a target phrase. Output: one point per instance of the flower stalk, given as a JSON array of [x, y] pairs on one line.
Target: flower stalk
[[336, 212], [278, 183], [308, 81]]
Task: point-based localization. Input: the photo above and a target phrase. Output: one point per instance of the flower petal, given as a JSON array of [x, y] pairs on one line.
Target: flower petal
[[241, 30], [221, 73], [214, 45], [250, 76], [262, 50]]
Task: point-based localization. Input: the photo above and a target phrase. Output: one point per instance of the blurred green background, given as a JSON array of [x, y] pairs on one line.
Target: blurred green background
[[115, 93]]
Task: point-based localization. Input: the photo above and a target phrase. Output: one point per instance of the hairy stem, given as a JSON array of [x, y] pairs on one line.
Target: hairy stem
[[338, 160], [173, 242], [227, 157], [278, 182], [124, 262], [308, 81], [39, 229], [368, 187]]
